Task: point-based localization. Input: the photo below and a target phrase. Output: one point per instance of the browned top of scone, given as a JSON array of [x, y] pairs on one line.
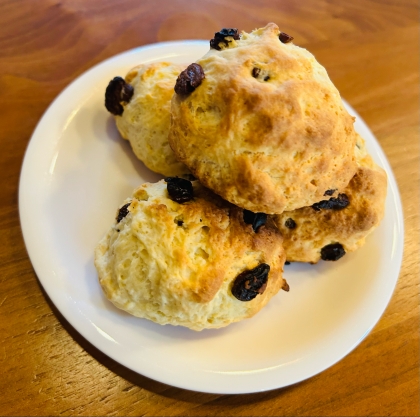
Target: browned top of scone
[[266, 128], [312, 228], [177, 262], [146, 118], [208, 222]]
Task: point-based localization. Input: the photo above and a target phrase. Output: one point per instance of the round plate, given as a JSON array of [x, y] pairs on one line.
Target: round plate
[[77, 171]]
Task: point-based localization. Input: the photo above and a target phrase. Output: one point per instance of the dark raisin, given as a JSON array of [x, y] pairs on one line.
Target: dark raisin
[[189, 79], [256, 72], [122, 212], [332, 252], [266, 78], [287, 263], [256, 219], [285, 286], [339, 203], [117, 91], [221, 36], [290, 223], [250, 283], [179, 189], [285, 38], [330, 192], [179, 222]]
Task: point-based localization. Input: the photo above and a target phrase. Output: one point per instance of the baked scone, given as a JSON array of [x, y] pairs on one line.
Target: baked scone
[[341, 222], [258, 121], [186, 263], [143, 115]]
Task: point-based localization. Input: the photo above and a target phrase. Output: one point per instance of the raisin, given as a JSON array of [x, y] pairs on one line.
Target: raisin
[[290, 223], [332, 252], [117, 91], [285, 286], [179, 222], [285, 38], [179, 189], [330, 192], [339, 203], [221, 36], [256, 72], [256, 219], [122, 212], [249, 284], [189, 79]]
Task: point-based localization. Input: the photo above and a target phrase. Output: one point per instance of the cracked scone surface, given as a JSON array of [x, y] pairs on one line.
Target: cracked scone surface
[[350, 226], [175, 263], [146, 118], [266, 129]]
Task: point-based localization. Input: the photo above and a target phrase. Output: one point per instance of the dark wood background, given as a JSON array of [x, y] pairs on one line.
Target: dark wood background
[[371, 51]]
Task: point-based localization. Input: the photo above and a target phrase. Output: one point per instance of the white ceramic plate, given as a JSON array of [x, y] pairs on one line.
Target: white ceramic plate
[[77, 171]]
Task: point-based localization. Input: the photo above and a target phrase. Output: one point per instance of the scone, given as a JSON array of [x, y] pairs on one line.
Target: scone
[[180, 255], [341, 222], [258, 121], [141, 105]]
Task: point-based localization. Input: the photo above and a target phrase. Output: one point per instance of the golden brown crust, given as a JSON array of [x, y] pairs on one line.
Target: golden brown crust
[[146, 119], [349, 226], [175, 263], [267, 146]]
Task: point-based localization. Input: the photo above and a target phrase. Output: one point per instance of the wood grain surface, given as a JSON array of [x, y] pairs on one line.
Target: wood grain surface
[[370, 49]]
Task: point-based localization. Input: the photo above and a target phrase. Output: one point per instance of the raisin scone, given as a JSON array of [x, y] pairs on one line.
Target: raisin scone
[[258, 121], [180, 255], [341, 222], [141, 105]]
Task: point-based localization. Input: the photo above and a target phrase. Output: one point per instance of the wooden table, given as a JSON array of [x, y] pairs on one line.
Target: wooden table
[[370, 49]]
